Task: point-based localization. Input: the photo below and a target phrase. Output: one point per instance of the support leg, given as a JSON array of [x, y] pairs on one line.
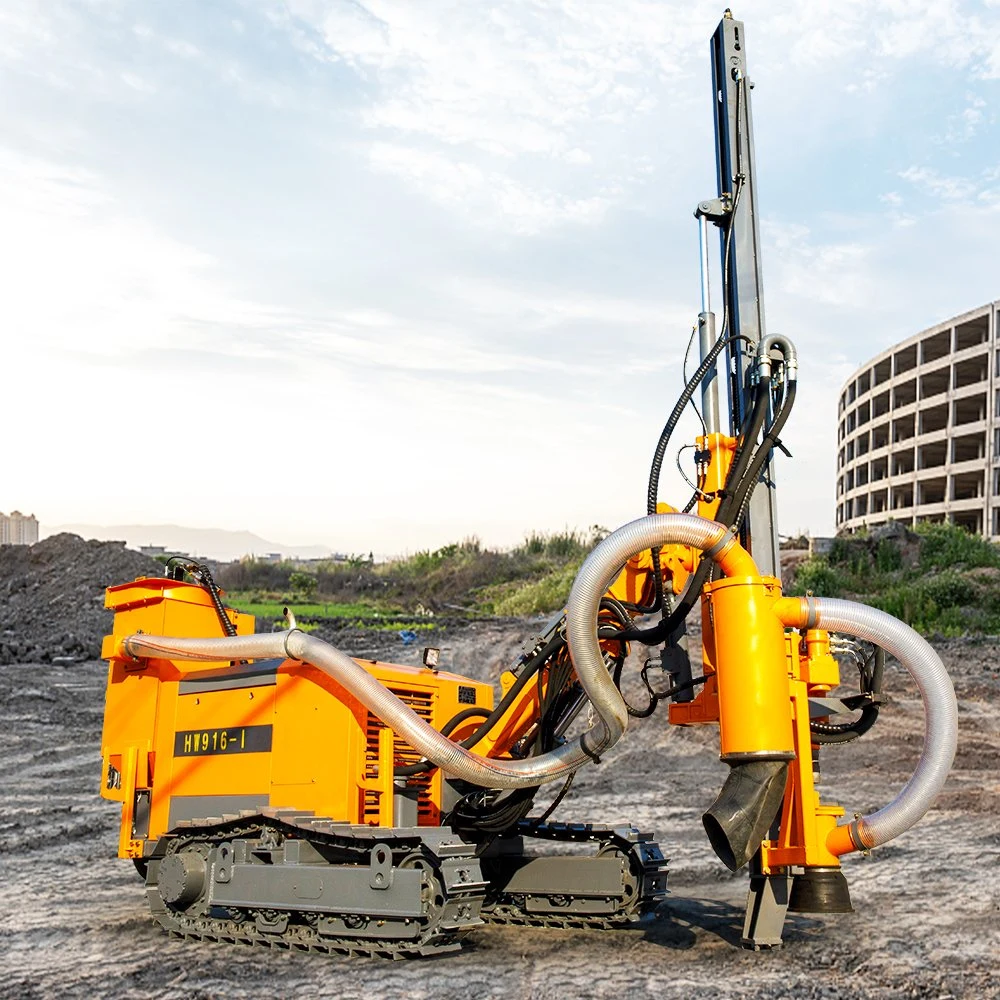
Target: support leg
[[767, 903]]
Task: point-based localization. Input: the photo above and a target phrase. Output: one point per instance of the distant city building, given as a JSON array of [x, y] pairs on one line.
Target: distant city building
[[18, 529], [919, 430], [153, 550]]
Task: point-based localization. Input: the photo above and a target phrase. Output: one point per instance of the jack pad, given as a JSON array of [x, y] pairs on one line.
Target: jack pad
[[820, 890]]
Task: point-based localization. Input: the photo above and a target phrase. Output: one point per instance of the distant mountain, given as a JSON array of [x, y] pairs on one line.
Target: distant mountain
[[211, 543]]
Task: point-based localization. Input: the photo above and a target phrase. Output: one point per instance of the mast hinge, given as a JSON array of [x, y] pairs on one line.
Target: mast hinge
[[716, 210]]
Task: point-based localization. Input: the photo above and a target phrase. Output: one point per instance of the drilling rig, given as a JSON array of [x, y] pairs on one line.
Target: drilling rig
[[274, 790]]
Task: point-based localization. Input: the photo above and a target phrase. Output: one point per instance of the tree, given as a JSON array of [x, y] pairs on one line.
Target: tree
[[303, 583]]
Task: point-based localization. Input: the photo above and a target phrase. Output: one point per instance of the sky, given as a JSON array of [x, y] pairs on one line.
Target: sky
[[384, 275]]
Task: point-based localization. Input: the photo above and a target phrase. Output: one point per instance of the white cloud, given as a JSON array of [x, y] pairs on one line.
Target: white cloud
[[546, 137], [492, 113], [520, 77], [951, 189], [827, 273], [490, 199], [482, 110]]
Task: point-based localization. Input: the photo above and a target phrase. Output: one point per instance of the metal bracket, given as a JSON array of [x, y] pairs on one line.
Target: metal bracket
[[380, 875], [716, 210]]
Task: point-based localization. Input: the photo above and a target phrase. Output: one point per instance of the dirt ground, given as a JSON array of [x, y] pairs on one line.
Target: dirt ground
[[74, 923]]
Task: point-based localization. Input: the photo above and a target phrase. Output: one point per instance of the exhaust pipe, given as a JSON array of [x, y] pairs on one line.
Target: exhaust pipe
[[741, 816]]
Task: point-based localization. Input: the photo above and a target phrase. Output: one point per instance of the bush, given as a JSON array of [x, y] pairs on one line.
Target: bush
[[818, 576], [540, 597], [534, 544], [944, 546], [949, 589], [303, 583], [888, 557]]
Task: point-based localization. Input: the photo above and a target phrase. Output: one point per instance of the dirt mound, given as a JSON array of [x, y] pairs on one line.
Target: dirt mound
[[52, 596]]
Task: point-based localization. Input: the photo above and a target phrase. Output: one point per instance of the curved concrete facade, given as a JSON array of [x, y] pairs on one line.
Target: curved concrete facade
[[918, 430]]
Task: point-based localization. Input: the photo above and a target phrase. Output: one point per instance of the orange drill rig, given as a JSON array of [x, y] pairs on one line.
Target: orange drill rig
[[275, 790]]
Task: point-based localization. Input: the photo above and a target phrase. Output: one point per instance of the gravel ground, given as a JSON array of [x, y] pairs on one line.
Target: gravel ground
[[74, 923]]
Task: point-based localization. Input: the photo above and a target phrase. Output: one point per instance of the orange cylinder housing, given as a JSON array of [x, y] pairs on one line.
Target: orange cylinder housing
[[755, 716]]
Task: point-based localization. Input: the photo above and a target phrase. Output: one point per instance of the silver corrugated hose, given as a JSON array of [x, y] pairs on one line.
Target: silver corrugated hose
[[940, 714], [598, 571]]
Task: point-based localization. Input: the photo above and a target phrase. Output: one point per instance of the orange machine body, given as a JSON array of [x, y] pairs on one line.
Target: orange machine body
[[184, 740]]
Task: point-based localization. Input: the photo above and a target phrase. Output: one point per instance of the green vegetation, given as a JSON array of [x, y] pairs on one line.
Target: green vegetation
[[548, 593], [463, 577], [260, 607], [939, 579]]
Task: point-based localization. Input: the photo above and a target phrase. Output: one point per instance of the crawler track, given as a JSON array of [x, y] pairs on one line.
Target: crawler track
[[431, 894]]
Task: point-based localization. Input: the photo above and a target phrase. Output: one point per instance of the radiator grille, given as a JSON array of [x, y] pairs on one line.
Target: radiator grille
[[422, 702]]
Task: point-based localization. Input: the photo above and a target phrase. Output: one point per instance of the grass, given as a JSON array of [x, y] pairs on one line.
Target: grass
[[274, 608], [940, 579], [541, 596]]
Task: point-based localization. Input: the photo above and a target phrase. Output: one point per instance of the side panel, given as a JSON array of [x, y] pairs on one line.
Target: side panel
[[317, 745]]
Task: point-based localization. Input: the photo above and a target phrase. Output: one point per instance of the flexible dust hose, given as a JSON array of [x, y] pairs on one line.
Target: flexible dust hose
[[399, 717], [597, 572], [940, 717]]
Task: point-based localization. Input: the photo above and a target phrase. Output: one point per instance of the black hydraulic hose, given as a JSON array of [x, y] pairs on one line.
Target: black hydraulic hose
[[224, 620], [527, 672], [472, 712], [653, 487], [845, 732], [536, 821], [635, 713], [878, 670], [763, 454], [201, 574], [746, 450], [738, 471]]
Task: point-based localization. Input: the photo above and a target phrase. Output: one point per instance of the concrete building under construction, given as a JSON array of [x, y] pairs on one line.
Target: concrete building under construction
[[918, 435]]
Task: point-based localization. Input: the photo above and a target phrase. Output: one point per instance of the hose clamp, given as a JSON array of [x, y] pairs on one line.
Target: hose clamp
[[592, 754], [288, 653], [724, 539], [126, 648], [812, 611], [854, 829]]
